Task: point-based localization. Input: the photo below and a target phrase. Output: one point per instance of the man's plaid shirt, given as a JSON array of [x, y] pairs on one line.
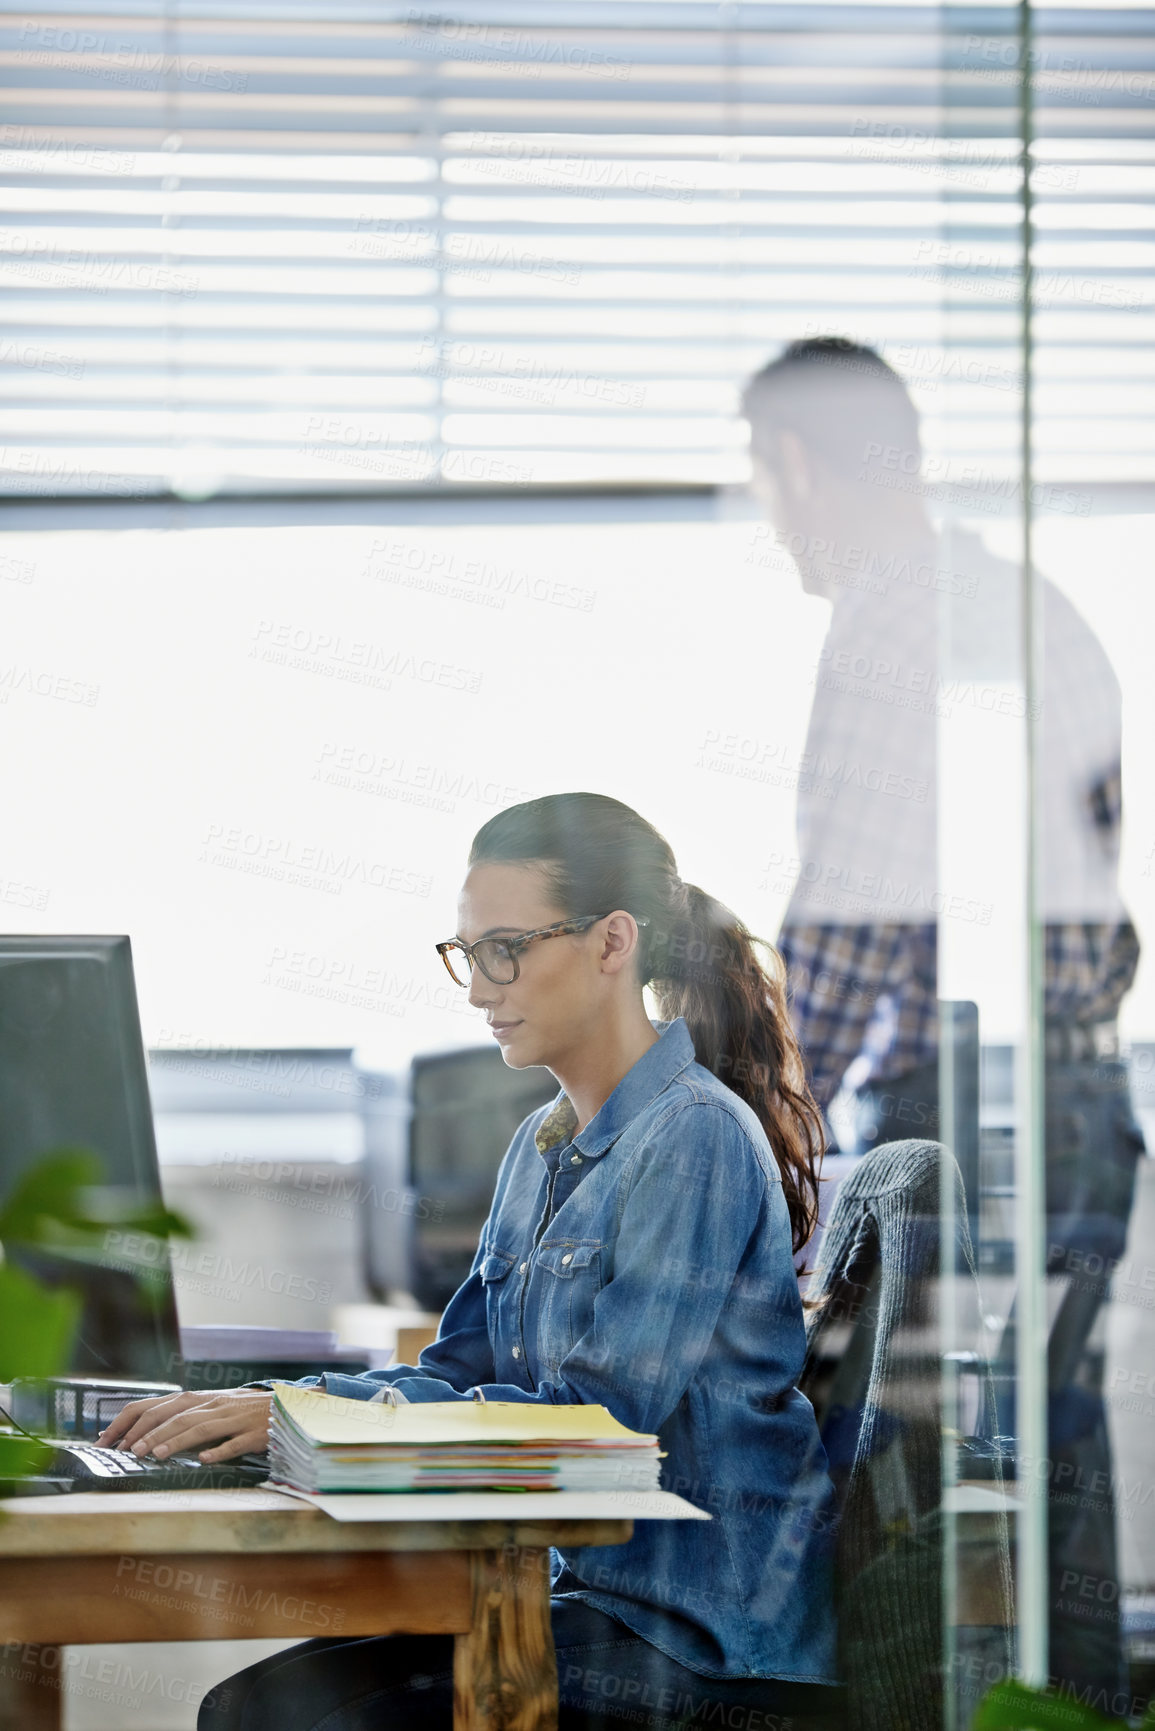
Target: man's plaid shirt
[[860, 935], [870, 991]]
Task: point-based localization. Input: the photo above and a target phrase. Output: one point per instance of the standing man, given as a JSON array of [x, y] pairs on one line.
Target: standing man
[[836, 454]]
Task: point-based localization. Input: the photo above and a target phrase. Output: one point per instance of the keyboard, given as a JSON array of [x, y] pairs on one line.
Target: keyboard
[[83, 1466]]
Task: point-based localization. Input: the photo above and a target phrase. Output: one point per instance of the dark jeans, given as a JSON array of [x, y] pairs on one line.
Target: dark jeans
[[1092, 1145], [608, 1678]]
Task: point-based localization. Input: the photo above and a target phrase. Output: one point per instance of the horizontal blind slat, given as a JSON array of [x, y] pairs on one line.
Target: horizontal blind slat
[[582, 236]]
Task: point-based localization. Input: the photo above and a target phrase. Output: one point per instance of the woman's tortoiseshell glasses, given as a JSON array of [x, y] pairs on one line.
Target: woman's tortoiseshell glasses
[[497, 957]]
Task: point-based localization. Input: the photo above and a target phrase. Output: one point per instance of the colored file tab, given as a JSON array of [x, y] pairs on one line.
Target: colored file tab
[[321, 1442]]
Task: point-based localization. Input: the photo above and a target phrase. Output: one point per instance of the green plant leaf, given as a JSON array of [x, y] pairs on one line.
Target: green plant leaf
[[36, 1326], [56, 1205], [20, 1455], [1012, 1706], [157, 1221], [52, 1205], [48, 1191]]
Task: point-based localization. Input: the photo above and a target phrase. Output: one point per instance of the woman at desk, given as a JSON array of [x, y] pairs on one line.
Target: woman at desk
[[638, 1255]]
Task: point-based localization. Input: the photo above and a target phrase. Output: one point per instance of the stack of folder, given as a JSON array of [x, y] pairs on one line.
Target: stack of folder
[[320, 1442]]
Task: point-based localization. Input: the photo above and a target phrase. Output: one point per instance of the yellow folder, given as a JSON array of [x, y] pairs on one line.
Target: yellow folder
[[330, 1420]]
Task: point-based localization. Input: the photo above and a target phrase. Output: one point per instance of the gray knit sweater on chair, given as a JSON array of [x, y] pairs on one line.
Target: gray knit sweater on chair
[[875, 1375]]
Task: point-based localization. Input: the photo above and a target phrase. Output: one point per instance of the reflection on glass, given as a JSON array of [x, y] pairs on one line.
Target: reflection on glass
[[919, 693]]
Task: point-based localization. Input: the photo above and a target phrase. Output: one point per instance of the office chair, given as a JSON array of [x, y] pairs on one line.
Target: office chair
[[874, 1376]]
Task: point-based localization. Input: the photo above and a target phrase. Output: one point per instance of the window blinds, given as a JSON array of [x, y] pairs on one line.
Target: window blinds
[[260, 247]]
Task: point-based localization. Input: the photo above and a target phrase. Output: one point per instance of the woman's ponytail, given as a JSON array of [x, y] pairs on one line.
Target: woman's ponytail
[[700, 959], [705, 966]]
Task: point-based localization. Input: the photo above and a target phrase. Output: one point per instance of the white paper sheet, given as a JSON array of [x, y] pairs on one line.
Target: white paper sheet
[[503, 1506]]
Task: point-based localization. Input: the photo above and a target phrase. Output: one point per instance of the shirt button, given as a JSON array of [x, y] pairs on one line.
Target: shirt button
[[575, 1159], [523, 1267], [517, 1352], [566, 1259]]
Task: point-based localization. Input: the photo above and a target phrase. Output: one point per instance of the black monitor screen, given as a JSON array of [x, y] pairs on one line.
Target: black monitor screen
[[72, 1073], [466, 1107]]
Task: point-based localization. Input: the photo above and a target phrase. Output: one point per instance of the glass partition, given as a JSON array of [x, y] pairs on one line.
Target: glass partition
[[1034, 755], [474, 317]]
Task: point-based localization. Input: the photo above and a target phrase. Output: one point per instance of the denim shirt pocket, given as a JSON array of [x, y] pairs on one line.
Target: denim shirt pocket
[[494, 1272], [570, 1278]]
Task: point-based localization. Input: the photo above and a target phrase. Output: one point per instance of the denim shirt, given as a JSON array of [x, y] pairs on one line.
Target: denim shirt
[[644, 1264]]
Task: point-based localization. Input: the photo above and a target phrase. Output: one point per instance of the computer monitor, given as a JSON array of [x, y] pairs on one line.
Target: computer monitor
[[466, 1107], [73, 1073]]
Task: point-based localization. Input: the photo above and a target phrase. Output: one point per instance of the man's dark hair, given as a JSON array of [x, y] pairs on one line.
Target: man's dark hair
[[840, 398]]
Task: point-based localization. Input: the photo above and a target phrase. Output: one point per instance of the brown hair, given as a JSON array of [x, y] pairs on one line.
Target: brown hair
[[703, 963]]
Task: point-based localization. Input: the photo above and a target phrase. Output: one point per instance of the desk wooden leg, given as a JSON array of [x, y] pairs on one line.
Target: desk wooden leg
[[504, 1670], [30, 1687]]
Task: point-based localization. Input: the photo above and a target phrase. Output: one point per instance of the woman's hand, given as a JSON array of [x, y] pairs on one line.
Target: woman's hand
[[234, 1423]]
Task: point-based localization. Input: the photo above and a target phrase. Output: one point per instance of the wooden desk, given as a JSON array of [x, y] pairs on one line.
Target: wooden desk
[[235, 1565]]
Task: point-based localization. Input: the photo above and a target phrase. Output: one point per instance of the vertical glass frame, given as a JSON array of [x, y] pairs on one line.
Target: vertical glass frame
[[992, 1311], [1063, 1205]]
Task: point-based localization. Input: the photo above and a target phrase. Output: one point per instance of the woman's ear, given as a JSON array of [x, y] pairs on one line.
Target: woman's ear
[[620, 942]]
